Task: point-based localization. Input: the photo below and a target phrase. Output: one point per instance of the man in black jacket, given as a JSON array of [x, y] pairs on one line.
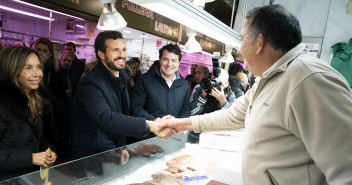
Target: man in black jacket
[[235, 82], [77, 67], [162, 90], [100, 112]]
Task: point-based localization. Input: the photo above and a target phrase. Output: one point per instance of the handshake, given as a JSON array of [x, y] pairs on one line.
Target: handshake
[[168, 126]]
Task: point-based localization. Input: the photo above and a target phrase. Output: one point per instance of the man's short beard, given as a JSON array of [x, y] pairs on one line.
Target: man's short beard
[[110, 64], [113, 67]]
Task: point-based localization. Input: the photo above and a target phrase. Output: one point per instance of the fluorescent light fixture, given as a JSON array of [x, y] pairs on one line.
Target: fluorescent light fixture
[[144, 36], [186, 13], [192, 46], [29, 4], [227, 58], [80, 26], [137, 40], [25, 13], [110, 19], [127, 31]]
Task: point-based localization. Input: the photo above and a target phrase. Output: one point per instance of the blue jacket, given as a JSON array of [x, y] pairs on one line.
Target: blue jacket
[[100, 114], [151, 97]]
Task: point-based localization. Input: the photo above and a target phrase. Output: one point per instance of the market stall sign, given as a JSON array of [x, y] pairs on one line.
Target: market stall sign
[[146, 20]]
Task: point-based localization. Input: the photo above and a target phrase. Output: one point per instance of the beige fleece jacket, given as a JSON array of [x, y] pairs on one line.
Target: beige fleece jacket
[[298, 121]]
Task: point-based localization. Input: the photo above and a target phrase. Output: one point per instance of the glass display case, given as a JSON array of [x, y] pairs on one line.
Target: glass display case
[[118, 167]]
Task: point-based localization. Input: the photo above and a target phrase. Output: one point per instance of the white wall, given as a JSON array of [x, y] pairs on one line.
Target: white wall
[[151, 50], [338, 27], [322, 21]]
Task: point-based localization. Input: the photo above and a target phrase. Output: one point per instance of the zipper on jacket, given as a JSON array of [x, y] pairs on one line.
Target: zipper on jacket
[[167, 100]]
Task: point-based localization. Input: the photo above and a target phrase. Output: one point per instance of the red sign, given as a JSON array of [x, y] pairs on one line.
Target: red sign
[[158, 43]]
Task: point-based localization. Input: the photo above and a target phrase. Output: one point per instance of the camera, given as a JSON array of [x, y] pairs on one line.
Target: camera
[[208, 84]]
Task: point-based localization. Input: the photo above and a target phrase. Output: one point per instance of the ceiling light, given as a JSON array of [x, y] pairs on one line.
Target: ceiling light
[[137, 40], [110, 19], [80, 26], [144, 36], [186, 13], [47, 9], [192, 46], [227, 58], [25, 13], [127, 31]]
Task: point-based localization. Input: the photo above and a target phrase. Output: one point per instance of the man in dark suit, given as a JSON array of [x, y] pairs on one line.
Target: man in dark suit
[[100, 112], [77, 67]]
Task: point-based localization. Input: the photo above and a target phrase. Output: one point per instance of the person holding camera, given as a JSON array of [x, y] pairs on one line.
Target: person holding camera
[[212, 94]]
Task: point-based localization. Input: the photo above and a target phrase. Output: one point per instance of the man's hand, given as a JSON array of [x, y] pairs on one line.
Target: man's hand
[[178, 124], [219, 95], [161, 133], [124, 157]]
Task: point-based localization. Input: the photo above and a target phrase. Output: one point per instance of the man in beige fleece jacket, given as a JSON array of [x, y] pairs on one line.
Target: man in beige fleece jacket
[[298, 115]]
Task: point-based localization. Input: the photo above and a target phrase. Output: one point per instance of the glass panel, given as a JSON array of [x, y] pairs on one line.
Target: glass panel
[[104, 167]]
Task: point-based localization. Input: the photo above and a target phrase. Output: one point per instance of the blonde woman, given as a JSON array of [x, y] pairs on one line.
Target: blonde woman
[[22, 147]]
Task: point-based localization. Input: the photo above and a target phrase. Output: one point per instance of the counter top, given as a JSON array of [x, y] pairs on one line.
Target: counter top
[[108, 168]]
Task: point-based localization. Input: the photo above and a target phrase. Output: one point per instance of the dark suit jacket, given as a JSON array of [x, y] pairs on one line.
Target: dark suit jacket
[[151, 97], [100, 114]]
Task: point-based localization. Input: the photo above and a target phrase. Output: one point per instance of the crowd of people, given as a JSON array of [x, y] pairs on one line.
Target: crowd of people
[[78, 110], [296, 113]]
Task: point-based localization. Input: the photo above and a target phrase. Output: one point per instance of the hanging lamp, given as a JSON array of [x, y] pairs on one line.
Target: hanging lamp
[[192, 46], [227, 58], [110, 19]]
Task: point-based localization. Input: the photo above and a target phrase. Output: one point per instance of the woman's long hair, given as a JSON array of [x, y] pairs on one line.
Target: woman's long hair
[[12, 62], [52, 60]]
